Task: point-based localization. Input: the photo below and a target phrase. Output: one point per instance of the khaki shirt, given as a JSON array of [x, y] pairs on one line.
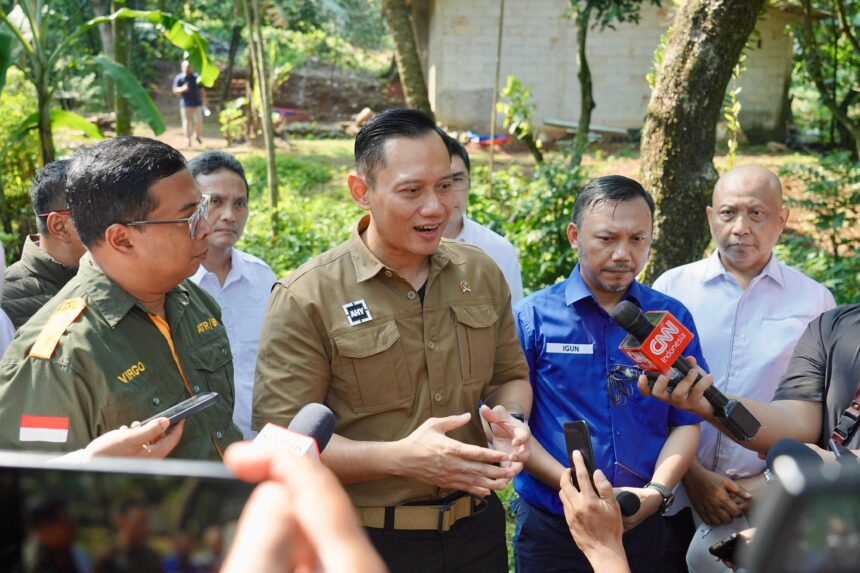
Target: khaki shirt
[[346, 331], [112, 366]]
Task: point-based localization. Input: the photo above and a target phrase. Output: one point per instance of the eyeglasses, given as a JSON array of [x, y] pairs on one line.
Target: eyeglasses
[[620, 381], [63, 212], [193, 221]]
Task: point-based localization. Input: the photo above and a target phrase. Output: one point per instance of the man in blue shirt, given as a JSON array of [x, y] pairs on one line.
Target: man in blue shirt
[[192, 102], [577, 372]]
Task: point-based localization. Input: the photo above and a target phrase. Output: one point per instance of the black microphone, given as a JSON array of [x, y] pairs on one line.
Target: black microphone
[[738, 421], [628, 502], [800, 453], [315, 421]]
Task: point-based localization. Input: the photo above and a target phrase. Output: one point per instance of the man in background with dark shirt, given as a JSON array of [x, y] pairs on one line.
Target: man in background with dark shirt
[[192, 101]]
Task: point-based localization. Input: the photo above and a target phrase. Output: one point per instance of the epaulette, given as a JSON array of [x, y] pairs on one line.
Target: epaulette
[[64, 315]]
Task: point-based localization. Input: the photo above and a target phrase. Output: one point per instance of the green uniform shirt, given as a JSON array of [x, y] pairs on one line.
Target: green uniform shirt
[[112, 367]]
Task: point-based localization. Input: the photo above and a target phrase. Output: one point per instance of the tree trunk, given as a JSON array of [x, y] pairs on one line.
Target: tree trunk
[[258, 57], [227, 77], [583, 19], [122, 33], [679, 135], [399, 21], [106, 34], [46, 135]]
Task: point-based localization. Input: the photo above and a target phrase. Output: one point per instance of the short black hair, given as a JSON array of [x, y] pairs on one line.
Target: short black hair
[[212, 161], [47, 511], [109, 182], [609, 188], [48, 192], [456, 148], [400, 122]]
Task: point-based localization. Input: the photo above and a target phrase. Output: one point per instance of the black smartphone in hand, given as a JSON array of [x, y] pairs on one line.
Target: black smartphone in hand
[[724, 550], [186, 408], [577, 437]]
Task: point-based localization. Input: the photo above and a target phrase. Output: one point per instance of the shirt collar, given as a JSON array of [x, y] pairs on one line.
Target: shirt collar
[[461, 236], [114, 303], [715, 268], [576, 289], [368, 266]]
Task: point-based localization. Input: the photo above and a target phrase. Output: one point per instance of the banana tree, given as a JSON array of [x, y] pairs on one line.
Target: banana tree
[[28, 23]]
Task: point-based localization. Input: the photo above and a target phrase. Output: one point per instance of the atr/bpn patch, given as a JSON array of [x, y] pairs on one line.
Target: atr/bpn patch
[[64, 315], [357, 312]]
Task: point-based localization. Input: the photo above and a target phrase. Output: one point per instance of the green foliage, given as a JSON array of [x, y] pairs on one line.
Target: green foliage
[[296, 176], [60, 119], [129, 88], [607, 13], [518, 111], [732, 112], [651, 77], [232, 120], [832, 195]]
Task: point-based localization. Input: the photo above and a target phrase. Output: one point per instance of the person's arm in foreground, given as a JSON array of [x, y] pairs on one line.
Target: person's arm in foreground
[[298, 519], [780, 419], [594, 518]]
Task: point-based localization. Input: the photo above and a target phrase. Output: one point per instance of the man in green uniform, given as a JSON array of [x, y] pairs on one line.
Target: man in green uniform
[[50, 259], [402, 337], [124, 339]]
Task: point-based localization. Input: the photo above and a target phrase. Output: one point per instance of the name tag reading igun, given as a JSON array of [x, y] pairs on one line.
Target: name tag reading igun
[[564, 348]]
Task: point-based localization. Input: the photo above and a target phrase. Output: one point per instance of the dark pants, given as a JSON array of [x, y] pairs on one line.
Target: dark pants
[[474, 544], [679, 533], [543, 544]]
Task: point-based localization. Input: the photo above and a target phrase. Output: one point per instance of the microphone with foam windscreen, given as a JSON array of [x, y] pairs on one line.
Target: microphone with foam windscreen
[[668, 343], [308, 433], [628, 502], [800, 453]]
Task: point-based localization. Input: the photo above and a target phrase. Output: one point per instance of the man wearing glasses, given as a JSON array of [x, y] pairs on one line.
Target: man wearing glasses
[[50, 259], [577, 372], [461, 228], [128, 337]]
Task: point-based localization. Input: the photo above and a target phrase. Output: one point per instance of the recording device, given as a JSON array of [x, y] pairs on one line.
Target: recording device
[[657, 348], [56, 506], [186, 408], [308, 433], [724, 549], [808, 519], [577, 437]]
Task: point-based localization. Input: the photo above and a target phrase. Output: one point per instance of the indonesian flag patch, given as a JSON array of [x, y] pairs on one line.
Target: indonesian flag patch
[[44, 429]]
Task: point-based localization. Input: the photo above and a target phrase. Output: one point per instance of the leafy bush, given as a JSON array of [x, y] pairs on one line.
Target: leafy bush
[[301, 176], [832, 195], [232, 120]]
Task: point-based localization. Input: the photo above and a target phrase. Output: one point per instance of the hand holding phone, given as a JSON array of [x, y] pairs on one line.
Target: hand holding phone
[[577, 437], [186, 408]]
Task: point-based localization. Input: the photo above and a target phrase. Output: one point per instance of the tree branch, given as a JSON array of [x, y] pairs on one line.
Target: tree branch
[[846, 27]]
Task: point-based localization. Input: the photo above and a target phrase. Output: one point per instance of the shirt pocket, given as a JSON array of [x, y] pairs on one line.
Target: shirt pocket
[[372, 364], [476, 331], [209, 361]]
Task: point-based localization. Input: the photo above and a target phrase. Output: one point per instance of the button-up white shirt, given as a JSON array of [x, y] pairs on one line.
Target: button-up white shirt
[[499, 249], [747, 338], [243, 299]]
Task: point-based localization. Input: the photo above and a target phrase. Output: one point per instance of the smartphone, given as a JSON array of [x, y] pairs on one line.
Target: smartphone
[[185, 408], [577, 437], [724, 550]]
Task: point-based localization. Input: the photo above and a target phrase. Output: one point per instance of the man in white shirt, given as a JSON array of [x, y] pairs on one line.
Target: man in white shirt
[[750, 310], [462, 228], [238, 281]]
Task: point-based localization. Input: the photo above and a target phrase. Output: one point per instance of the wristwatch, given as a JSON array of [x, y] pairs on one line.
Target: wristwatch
[[668, 496]]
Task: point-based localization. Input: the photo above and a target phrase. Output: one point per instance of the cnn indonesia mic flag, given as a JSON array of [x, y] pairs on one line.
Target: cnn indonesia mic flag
[[663, 346], [44, 429]]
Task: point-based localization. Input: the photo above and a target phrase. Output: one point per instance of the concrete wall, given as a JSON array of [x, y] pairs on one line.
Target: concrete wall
[[458, 40]]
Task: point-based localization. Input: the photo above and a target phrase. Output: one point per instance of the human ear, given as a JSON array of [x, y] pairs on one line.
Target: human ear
[[573, 235], [359, 189], [119, 238]]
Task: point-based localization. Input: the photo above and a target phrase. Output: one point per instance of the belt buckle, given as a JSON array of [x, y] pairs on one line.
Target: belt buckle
[[845, 426], [443, 511]]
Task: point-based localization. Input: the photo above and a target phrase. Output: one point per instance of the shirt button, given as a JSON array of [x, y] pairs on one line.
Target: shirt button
[[431, 344], [156, 401], [219, 435], [617, 432], [389, 274], [410, 295], [196, 388], [438, 396]]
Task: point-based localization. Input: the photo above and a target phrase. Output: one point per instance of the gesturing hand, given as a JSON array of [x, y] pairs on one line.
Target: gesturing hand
[[509, 435], [430, 456]]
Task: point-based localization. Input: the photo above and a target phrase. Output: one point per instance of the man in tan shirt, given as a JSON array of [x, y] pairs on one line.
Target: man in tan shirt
[[403, 337]]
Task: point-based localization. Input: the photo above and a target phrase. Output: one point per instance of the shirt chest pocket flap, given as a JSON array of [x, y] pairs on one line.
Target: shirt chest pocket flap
[[373, 367], [476, 341]]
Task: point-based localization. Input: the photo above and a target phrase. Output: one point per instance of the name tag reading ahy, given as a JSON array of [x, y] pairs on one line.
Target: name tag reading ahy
[[564, 348]]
